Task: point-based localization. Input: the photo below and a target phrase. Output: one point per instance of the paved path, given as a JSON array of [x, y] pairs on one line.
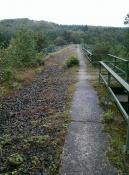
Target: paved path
[[85, 145]]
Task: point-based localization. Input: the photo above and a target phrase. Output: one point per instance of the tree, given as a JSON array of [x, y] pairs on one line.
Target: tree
[[85, 28], [100, 51], [60, 41], [126, 21], [22, 50], [5, 38], [41, 41]]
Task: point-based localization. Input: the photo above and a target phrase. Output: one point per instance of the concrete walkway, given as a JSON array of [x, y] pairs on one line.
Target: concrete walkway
[[85, 145]]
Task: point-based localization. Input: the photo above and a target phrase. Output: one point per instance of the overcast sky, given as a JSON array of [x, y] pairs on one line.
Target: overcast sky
[[90, 12]]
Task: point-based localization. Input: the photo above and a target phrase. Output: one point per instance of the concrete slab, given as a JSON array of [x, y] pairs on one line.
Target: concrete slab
[[86, 143]]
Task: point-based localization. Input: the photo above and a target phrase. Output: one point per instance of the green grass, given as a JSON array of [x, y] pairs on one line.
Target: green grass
[[108, 117]]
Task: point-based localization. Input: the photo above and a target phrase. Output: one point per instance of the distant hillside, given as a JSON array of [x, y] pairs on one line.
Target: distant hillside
[[14, 24], [11, 25], [54, 34]]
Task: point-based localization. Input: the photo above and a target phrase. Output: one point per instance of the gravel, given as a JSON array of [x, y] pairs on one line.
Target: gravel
[[36, 111]]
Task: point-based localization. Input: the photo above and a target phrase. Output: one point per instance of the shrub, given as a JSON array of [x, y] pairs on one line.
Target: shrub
[[6, 75], [15, 160], [108, 117], [39, 59], [15, 86], [72, 61]]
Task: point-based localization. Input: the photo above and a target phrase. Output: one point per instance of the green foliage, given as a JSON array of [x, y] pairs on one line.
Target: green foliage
[[4, 39], [15, 160], [108, 117], [72, 61], [38, 139], [100, 51], [15, 86], [4, 140], [21, 53], [22, 48], [126, 19], [41, 41], [23, 40], [60, 41], [39, 60], [6, 74], [117, 129], [46, 33]]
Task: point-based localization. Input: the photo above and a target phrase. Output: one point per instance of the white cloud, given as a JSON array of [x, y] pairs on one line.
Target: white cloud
[[91, 12]]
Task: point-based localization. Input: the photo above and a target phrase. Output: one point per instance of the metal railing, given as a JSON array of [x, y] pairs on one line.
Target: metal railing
[[120, 66], [113, 68], [88, 54], [124, 84]]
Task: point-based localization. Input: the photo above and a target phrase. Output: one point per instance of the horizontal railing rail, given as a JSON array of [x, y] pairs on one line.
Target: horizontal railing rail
[[87, 53], [117, 58], [120, 66], [113, 68]]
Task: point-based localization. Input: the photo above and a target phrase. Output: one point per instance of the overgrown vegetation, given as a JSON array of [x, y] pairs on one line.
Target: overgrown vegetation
[[116, 128], [108, 117], [19, 55], [34, 122], [114, 125], [71, 61]]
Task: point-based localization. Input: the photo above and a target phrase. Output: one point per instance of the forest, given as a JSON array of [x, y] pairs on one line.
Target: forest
[[47, 33]]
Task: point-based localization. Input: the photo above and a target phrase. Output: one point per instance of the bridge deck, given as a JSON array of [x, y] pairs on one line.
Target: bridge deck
[[86, 143]]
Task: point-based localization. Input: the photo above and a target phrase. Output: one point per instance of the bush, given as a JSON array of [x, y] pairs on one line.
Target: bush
[[15, 86], [15, 160], [108, 117], [39, 60], [6, 75], [72, 61]]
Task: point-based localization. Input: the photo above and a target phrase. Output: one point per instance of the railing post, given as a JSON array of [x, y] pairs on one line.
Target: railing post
[[127, 139], [109, 79], [127, 71], [99, 72], [114, 62], [126, 147]]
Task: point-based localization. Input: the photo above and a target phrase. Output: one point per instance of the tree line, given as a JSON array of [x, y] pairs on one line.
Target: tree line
[[22, 42]]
